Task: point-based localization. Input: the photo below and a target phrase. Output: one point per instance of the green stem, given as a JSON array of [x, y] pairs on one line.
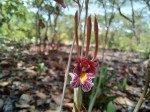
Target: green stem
[[78, 98]]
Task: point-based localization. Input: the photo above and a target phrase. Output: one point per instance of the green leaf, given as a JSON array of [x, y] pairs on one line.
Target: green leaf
[[108, 99], [40, 69], [41, 66], [124, 84], [104, 75], [108, 78], [110, 107]]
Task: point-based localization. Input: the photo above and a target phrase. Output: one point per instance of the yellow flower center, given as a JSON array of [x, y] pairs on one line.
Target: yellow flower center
[[83, 77]]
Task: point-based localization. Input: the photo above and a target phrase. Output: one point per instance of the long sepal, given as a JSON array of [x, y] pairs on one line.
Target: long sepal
[[89, 27], [76, 32], [96, 38]]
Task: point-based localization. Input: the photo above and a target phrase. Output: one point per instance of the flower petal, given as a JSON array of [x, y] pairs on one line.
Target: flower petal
[[86, 87], [77, 69], [86, 65], [75, 82], [91, 75]]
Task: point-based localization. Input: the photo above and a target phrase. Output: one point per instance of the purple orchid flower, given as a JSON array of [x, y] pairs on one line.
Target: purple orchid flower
[[84, 71], [83, 74]]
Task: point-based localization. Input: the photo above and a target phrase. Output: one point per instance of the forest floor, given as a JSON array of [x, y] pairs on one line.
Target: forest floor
[[24, 88]]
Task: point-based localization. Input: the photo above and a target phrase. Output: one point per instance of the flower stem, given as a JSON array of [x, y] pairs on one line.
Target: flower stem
[[78, 98]]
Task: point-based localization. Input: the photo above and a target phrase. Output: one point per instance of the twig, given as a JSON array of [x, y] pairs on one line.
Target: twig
[[124, 15], [66, 73]]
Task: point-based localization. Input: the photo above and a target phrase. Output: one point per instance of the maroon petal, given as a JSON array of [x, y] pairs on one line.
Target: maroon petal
[[86, 65], [75, 82], [77, 69], [78, 60], [86, 87], [93, 64]]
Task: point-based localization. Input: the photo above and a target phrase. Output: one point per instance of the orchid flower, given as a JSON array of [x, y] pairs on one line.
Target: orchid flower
[[83, 74], [84, 70]]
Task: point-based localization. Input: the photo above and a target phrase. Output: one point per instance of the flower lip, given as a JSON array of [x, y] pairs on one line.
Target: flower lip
[[75, 82], [86, 87], [83, 77]]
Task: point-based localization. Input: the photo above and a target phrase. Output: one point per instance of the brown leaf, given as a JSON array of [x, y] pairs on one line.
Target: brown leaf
[[50, 111], [41, 95], [25, 99], [6, 83], [67, 100], [57, 98], [23, 105]]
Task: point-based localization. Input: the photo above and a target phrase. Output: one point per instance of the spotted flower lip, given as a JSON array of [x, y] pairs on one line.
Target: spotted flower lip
[[83, 74]]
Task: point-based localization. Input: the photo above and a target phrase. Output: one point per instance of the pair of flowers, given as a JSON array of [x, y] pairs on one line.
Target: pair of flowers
[[84, 70]]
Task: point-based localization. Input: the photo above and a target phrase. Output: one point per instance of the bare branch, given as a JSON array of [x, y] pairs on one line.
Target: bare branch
[[124, 15]]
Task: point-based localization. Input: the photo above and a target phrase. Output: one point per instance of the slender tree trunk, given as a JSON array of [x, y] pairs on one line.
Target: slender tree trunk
[[133, 24]]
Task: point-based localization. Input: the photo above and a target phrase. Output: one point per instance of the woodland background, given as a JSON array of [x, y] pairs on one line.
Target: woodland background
[[35, 39]]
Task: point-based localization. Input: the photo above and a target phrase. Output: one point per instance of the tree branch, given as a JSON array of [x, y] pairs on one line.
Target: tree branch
[[124, 15]]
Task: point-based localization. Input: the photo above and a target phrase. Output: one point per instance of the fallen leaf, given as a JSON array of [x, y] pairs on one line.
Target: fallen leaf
[[1, 104], [5, 83], [42, 95], [25, 99]]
